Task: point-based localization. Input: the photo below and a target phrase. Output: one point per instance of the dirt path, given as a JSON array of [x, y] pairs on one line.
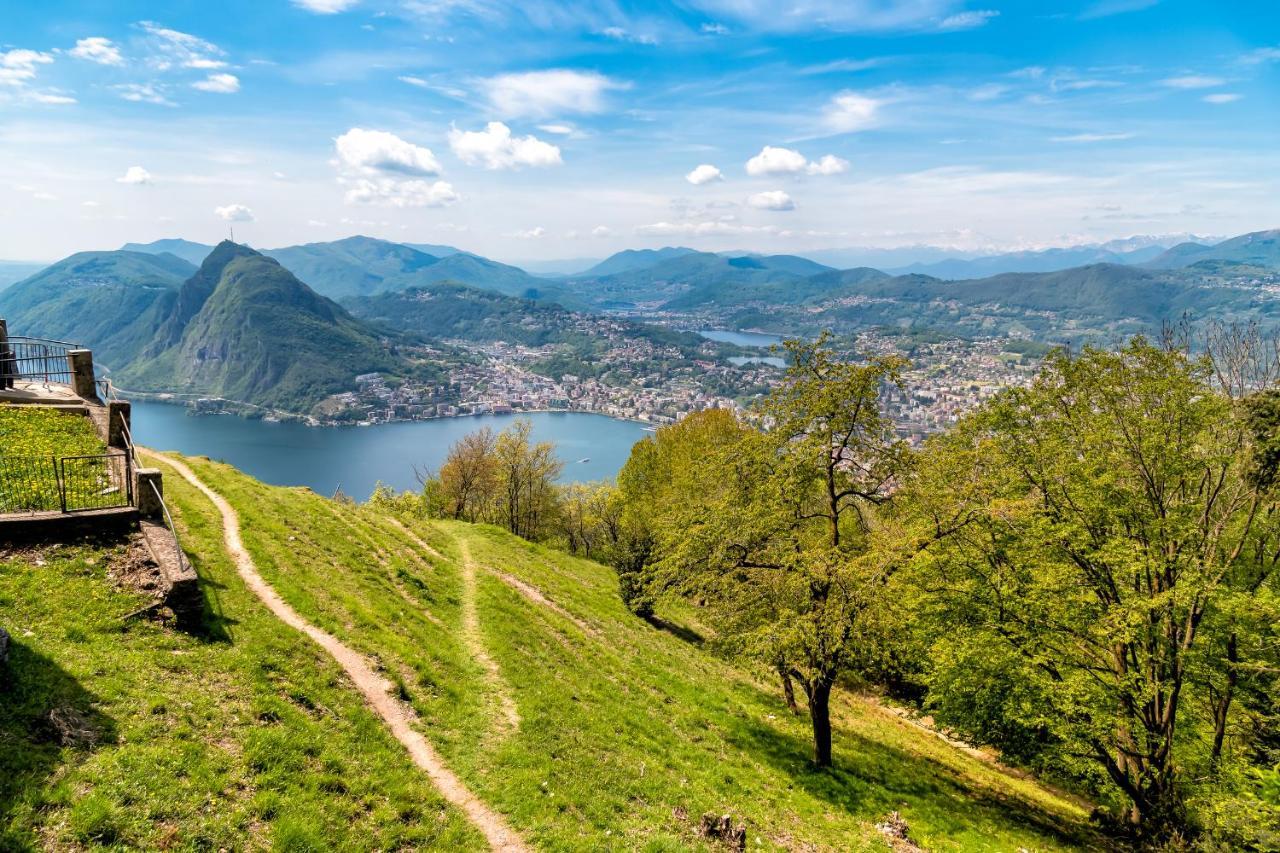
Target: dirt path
[[472, 636], [535, 595], [376, 689]]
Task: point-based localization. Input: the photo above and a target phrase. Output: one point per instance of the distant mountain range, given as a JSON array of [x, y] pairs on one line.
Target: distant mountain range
[[362, 266], [267, 327]]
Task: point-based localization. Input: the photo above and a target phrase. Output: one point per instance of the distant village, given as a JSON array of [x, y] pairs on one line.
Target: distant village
[[639, 383]]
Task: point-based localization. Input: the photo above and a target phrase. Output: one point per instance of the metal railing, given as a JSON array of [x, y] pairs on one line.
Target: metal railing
[[67, 484], [107, 391], [34, 360]]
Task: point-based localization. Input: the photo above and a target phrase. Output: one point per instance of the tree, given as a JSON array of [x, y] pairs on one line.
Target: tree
[[778, 529], [468, 478], [526, 474], [1117, 522]]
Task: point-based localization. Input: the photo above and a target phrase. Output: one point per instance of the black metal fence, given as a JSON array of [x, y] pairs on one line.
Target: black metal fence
[[65, 483], [34, 360]]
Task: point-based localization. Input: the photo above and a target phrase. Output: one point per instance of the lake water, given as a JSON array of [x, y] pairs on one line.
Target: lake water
[[743, 339], [290, 454]]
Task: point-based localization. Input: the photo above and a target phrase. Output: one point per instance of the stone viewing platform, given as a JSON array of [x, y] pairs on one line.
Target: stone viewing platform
[[60, 481]]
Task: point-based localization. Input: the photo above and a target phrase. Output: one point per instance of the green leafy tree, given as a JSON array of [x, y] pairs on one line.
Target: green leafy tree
[[1099, 602], [777, 528]]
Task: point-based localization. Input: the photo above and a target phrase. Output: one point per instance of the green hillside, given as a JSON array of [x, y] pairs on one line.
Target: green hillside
[[246, 329], [584, 726], [694, 280], [107, 301], [455, 311], [363, 266], [634, 259], [1258, 248]]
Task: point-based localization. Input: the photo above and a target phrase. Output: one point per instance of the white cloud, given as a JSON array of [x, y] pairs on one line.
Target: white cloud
[[134, 175], [1093, 137], [398, 193], [715, 29], [543, 94], [1222, 98], [176, 48], [381, 168], [708, 228], [414, 81], [837, 15], [1261, 55], [620, 34], [828, 165], [704, 174], [222, 84], [495, 148], [776, 161], [557, 129], [1193, 81], [50, 98], [772, 200], [849, 111], [377, 151], [324, 7], [967, 20], [97, 49], [234, 213], [602, 231], [147, 93], [530, 233], [18, 67]]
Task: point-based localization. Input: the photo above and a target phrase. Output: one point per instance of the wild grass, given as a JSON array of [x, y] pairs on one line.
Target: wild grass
[[242, 736], [628, 732], [42, 431]]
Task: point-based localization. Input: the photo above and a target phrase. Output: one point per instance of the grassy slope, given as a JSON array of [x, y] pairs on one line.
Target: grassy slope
[[41, 431], [623, 724], [248, 738]]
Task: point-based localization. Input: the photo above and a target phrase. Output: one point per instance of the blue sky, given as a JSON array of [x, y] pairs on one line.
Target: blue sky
[[543, 130]]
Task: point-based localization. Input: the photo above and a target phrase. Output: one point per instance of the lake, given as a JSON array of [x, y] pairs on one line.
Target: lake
[[742, 339], [758, 359], [290, 454]]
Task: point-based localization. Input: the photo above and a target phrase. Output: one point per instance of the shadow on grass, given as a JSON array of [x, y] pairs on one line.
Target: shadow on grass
[[211, 624], [678, 631], [45, 713], [871, 778]]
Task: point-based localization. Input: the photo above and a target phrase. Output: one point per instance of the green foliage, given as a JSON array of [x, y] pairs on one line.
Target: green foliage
[[1114, 569]]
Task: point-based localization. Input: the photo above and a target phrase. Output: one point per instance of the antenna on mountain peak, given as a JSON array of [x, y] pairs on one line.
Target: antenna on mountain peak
[[232, 230]]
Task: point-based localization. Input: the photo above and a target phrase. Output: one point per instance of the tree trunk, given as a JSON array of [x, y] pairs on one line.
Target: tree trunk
[[788, 691], [820, 715], [1222, 708]]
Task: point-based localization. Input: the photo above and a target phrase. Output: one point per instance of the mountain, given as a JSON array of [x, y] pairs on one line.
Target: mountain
[[1259, 248], [362, 266], [14, 271], [1048, 260], [192, 253], [245, 328], [107, 301], [434, 249], [693, 279], [1103, 302], [635, 259], [455, 311]]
